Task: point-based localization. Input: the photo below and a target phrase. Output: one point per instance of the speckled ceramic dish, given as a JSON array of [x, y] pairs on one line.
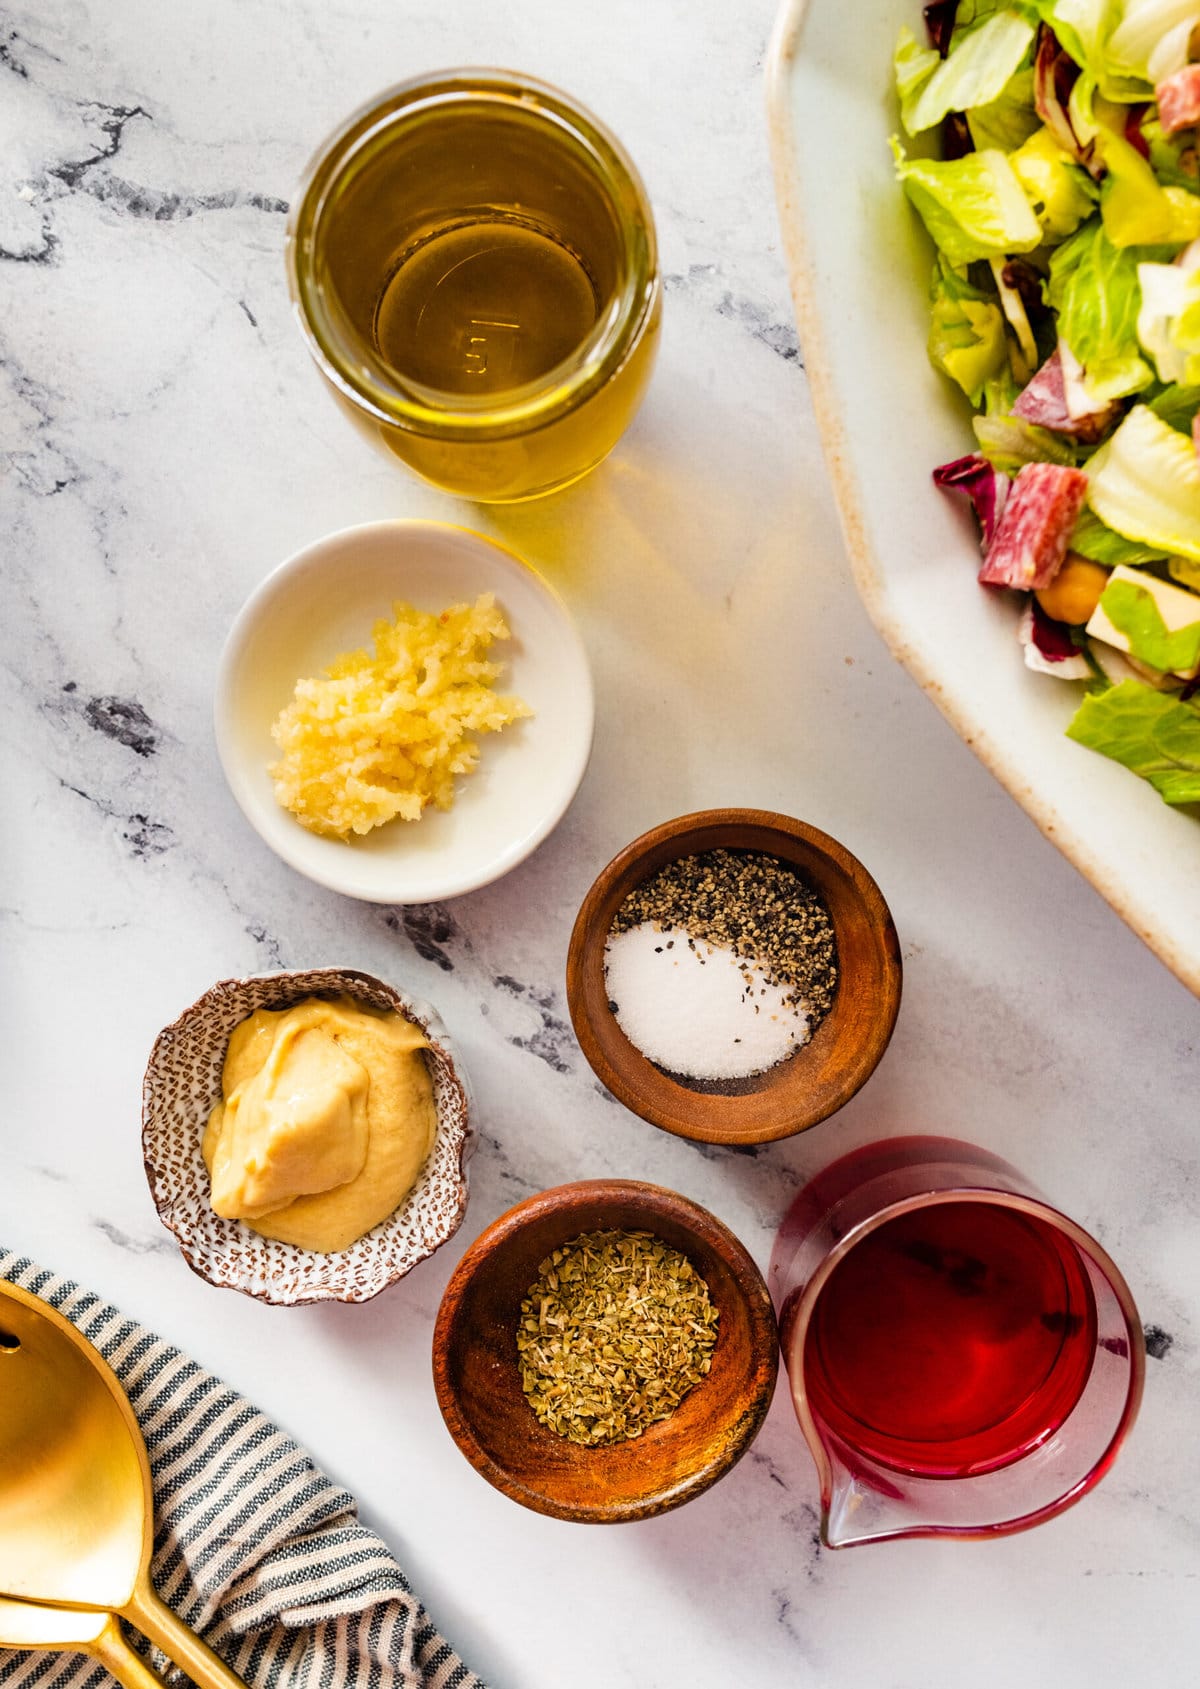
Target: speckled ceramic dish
[[181, 1087], [860, 267]]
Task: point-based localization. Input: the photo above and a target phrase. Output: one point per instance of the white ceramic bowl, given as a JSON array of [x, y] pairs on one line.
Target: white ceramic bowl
[[183, 1085], [860, 268], [325, 600]]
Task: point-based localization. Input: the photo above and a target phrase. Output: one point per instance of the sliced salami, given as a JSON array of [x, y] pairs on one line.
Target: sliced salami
[[986, 488], [1035, 530], [1044, 401], [1178, 97]]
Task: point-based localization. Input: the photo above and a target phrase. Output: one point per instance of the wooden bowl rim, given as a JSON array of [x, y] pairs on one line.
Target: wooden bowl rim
[[631, 1077], [659, 1201]]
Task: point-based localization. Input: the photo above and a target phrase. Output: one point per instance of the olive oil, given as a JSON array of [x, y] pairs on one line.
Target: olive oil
[[483, 306], [475, 265]]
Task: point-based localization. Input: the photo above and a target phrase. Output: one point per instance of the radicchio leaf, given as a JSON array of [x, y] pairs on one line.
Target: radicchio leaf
[[1048, 646], [986, 488], [956, 136], [1052, 638], [1054, 75], [1020, 275], [939, 24], [1133, 129]]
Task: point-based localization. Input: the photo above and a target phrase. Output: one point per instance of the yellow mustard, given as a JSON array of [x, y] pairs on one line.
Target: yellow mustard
[[326, 1119]]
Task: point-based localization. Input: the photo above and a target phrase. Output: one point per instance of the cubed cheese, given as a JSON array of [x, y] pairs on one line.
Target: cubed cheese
[[1177, 607]]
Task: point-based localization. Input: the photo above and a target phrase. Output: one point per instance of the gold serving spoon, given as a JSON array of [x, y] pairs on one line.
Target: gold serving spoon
[[76, 1506], [22, 1625]]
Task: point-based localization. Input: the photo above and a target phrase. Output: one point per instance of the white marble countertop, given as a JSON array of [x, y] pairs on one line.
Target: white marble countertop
[[169, 443]]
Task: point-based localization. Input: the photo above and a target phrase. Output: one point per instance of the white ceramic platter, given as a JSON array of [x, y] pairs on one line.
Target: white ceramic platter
[[325, 600], [860, 269]]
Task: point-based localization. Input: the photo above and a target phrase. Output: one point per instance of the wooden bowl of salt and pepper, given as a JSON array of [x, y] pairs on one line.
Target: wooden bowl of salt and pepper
[[734, 976]]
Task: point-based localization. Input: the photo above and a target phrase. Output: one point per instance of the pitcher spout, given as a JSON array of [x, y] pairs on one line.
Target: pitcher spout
[[860, 1505]]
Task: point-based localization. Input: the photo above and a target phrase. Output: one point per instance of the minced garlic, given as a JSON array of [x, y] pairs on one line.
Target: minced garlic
[[377, 737]]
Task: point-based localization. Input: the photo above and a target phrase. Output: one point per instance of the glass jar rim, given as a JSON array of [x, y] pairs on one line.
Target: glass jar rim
[[431, 412]]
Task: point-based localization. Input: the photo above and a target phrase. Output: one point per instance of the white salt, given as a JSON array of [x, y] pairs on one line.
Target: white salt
[[697, 1009]]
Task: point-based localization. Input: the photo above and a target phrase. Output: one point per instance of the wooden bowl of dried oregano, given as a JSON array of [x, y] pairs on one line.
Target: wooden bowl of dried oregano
[[605, 1351], [734, 976]]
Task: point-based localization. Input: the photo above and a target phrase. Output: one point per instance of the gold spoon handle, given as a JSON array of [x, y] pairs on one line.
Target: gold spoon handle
[[112, 1650], [180, 1643]]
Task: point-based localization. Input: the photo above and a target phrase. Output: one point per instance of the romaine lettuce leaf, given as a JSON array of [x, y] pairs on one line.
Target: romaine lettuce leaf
[[1009, 442], [1183, 570], [1136, 209], [1151, 38], [913, 64], [1084, 28], [1168, 324], [970, 14], [1093, 538], [1188, 326], [1133, 612], [966, 332], [1172, 157], [1144, 481], [1001, 393], [974, 73], [1061, 194], [1177, 406], [1094, 288], [1081, 109], [1150, 732], [1007, 120], [973, 207]]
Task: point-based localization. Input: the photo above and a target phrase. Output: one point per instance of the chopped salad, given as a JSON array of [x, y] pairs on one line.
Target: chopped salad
[[1062, 192]]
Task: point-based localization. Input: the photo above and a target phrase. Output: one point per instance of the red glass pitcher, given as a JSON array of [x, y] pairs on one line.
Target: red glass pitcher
[[964, 1360]]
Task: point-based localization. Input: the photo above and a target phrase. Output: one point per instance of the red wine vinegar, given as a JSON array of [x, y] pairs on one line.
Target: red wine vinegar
[[952, 1340]]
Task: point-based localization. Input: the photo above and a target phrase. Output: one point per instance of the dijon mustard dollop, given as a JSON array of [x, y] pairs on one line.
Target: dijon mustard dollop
[[326, 1119]]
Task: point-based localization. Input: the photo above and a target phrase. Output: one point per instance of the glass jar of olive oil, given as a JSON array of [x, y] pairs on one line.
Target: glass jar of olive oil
[[473, 263]]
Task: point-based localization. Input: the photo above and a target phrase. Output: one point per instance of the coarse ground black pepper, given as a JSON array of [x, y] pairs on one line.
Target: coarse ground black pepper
[[762, 909]]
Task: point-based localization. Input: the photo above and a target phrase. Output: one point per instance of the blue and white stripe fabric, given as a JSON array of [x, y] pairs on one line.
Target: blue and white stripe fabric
[[254, 1547]]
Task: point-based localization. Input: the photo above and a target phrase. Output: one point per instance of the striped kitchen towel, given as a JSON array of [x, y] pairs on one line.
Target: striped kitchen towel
[[254, 1546]]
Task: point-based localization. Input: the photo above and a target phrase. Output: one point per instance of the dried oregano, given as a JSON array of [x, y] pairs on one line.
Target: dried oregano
[[614, 1331]]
